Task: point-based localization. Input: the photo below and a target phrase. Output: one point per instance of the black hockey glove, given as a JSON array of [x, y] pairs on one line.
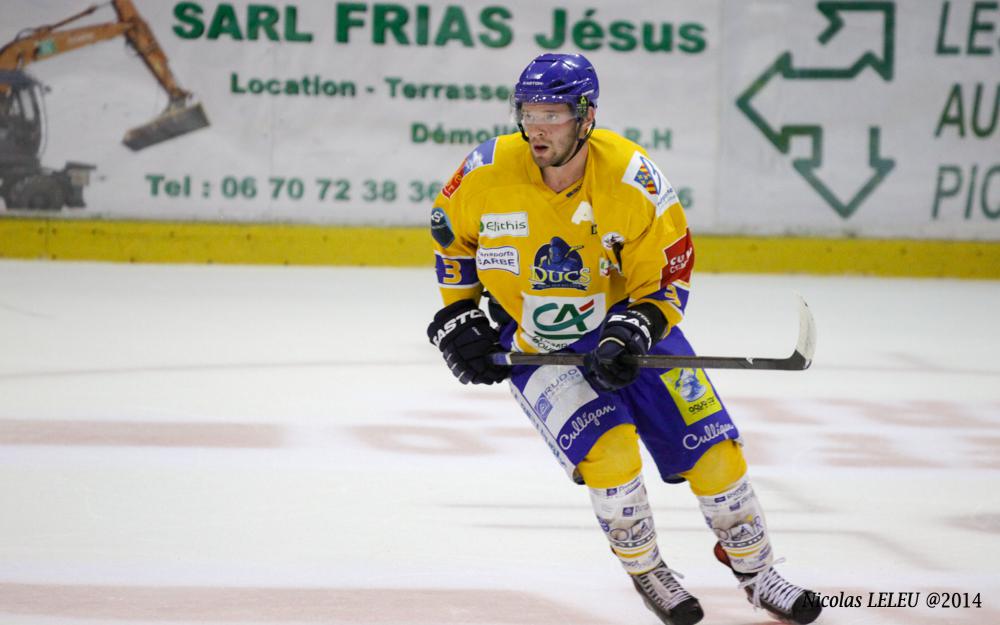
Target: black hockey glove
[[625, 335], [464, 335]]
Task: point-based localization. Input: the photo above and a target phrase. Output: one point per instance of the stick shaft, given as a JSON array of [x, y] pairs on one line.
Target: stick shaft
[[795, 362], [800, 359]]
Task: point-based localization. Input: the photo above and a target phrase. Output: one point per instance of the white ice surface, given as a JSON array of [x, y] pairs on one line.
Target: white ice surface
[[207, 444]]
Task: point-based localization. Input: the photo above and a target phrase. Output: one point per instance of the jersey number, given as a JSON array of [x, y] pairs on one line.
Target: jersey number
[[452, 271]]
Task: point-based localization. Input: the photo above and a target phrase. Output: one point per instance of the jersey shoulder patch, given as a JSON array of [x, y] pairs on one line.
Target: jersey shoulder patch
[[643, 174], [480, 157], [441, 227]]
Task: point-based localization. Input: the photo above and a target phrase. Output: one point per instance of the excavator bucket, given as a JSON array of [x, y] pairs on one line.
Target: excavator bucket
[[172, 123]]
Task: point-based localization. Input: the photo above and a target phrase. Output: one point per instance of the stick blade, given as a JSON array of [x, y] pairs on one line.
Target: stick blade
[[172, 123], [805, 347]]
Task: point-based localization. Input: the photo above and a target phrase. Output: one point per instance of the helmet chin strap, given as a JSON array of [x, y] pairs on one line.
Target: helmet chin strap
[[579, 142]]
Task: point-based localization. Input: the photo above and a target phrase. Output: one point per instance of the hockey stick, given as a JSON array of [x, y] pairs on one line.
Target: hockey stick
[[800, 359]]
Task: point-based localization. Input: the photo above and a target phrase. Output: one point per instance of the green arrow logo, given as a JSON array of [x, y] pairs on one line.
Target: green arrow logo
[[881, 62]]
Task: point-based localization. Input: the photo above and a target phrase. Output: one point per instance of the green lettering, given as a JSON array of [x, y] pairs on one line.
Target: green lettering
[[189, 13], [234, 83], [972, 186], [493, 18], [623, 36], [423, 24], [942, 49], [262, 16], [454, 26], [391, 18], [418, 132], [692, 38], [345, 21], [558, 31], [463, 136], [291, 26], [958, 117], [686, 197], [154, 183], [224, 22], [393, 83], [987, 210], [940, 191], [662, 137], [172, 188], [587, 33], [977, 27], [985, 131], [666, 42]]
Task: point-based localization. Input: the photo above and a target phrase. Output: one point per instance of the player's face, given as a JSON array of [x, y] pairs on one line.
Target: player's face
[[552, 132]]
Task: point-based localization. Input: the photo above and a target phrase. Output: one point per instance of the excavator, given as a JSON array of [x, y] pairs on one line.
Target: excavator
[[24, 182]]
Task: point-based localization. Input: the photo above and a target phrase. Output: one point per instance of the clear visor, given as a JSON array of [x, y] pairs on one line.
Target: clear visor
[[541, 113]]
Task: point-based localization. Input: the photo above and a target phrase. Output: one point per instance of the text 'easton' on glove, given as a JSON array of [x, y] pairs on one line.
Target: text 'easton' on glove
[[612, 365], [464, 335]]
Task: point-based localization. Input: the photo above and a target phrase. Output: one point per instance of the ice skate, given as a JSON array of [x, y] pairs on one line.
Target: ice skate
[[769, 590], [664, 595]]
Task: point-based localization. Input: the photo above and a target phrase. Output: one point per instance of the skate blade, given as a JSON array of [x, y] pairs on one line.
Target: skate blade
[[173, 123]]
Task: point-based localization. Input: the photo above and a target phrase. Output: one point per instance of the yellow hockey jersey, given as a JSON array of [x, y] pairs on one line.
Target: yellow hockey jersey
[[557, 262]]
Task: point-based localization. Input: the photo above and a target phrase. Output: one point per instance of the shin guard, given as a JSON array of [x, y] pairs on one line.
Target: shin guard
[[627, 521], [738, 521]]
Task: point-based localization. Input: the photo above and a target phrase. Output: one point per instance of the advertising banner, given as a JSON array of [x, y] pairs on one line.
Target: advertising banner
[[769, 117], [861, 119]]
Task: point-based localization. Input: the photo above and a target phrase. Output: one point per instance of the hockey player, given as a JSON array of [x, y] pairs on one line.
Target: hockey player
[[583, 246]]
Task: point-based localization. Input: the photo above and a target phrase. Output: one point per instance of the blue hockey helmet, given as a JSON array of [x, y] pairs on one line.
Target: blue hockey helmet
[[565, 78]]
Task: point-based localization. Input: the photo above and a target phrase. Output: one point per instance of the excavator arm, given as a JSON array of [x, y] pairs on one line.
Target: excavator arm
[[142, 39], [40, 43]]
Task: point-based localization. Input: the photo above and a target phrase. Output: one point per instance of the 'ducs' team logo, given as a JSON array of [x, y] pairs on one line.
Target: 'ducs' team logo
[[559, 266]]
